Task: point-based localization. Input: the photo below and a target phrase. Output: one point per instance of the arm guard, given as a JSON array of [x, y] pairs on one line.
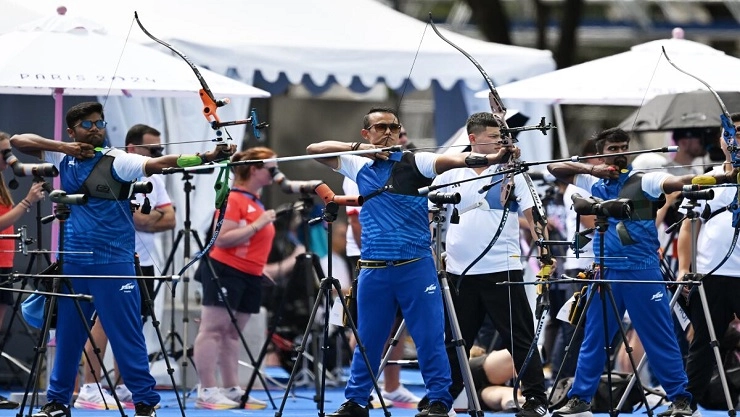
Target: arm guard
[[473, 161]]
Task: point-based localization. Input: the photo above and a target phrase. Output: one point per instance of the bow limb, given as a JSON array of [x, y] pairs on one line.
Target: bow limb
[[728, 127], [210, 104], [540, 217], [729, 135], [497, 106]]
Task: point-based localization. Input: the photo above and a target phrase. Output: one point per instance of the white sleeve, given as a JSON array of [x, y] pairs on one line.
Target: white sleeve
[[425, 163], [585, 182], [53, 157], [159, 194], [522, 193], [350, 165], [128, 166], [652, 183]]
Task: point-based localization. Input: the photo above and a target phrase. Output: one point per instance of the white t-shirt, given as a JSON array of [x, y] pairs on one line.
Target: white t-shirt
[[480, 216], [587, 252], [350, 188], [145, 244], [715, 235]]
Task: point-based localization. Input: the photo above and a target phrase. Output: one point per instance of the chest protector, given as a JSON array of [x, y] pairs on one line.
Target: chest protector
[[642, 207], [405, 178], [101, 184]]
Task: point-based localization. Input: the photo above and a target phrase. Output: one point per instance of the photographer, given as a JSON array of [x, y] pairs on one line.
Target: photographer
[[630, 253]]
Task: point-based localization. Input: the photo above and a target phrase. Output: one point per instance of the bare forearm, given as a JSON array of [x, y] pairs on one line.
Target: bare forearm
[[158, 220], [32, 144], [684, 245], [566, 171]]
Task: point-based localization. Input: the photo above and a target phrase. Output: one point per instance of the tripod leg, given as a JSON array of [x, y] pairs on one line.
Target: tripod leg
[[325, 292], [41, 351], [155, 322], [457, 340], [643, 361], [392, 343], [628, 350]]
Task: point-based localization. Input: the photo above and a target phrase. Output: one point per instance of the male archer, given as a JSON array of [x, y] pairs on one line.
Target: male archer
[[99, 240], [397, 269], [721, 287], [478, 293], [630, 253]]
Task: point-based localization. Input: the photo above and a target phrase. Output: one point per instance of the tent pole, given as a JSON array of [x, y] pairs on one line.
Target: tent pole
[[56, 183], [562, 140]]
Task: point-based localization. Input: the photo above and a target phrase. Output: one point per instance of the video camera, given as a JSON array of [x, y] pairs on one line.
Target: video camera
[[620, 208]]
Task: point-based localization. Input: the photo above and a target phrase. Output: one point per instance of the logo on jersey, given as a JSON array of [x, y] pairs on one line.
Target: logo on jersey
[[657, 296], [431, 289], [127, 287]]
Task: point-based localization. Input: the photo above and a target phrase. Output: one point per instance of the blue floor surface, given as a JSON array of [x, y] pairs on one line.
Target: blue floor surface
[[300, 403]]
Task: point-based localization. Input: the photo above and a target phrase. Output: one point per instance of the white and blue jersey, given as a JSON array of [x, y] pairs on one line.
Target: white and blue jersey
[[96, 226], [643, 253], [102, 231], [394, 226]]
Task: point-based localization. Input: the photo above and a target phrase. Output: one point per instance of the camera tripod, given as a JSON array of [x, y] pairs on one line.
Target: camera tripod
[[605, 297], [35, 255], [307, 263], [324, 298], [438, 217], [61, 212], [693, 216], [183, 235]]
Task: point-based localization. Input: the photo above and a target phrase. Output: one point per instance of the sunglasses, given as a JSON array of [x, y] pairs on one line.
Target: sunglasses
[[156, 151], [382, 127], [88, 124]]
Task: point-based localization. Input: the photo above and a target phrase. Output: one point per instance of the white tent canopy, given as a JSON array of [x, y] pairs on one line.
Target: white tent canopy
[[320, 38], [631, 78]]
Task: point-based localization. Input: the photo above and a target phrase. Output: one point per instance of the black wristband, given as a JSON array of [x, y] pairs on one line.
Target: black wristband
[[473, 161]]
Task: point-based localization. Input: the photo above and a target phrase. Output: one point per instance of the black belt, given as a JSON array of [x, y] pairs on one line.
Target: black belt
[[383, 264]]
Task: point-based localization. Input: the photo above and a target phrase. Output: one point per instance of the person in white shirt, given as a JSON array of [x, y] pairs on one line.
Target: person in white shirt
[[477, 292]]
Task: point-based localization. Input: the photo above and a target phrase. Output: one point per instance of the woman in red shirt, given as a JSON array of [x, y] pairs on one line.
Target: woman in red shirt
[[238, 260], [9, 214]]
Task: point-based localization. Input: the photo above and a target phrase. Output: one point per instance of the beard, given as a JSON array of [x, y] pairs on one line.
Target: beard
[[621, 162]]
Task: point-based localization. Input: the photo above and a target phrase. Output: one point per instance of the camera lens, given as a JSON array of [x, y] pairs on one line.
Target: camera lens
[[444, 198]]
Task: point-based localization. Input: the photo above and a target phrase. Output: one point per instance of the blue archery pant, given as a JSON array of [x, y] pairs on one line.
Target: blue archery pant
[[118, 304], [415, 288], [649, 309]]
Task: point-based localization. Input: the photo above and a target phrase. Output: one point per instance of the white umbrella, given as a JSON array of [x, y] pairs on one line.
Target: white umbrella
[[61, 55], [85, 62], [631, 78]]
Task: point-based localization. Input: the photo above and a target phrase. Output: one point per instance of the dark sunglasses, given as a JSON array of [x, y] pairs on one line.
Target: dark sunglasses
[[382, 127], [156, 151], [87, 124]]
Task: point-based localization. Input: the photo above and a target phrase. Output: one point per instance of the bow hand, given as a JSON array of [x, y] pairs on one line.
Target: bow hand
[[604, 171], [221, 152]]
